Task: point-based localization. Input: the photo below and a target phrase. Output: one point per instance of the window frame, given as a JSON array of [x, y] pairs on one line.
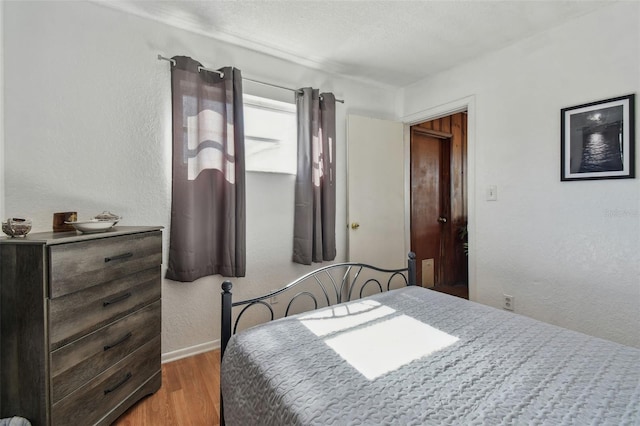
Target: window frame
[[267, 104]]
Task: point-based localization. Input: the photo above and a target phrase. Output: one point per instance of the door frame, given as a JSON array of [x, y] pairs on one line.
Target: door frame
[[453, 107]]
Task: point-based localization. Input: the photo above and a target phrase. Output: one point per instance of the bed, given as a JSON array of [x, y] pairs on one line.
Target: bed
[[413, 356]]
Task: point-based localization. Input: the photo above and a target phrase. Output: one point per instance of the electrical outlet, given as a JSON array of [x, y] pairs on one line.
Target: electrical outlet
[[507, 302]]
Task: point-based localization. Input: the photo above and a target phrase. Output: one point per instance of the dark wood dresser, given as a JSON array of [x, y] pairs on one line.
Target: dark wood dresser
[[80, 324]]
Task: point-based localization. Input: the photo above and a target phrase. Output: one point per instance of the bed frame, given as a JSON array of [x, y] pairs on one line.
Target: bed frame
[[354, 279], [452, 361]]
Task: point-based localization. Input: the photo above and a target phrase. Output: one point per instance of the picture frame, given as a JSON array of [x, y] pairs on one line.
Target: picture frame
[[598, 140]]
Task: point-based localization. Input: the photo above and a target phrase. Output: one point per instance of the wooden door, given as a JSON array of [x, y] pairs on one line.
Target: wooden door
[[375, 193], [438, 200], [429, 204]]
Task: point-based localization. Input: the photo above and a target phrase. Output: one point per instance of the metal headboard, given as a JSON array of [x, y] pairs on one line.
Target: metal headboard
[[340, 290], [331, 290]]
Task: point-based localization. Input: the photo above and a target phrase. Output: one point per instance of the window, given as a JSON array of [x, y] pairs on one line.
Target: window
[[270, 135]]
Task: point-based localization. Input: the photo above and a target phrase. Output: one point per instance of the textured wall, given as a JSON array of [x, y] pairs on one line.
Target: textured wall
[[88, 128], [2, 110], [569, 252]]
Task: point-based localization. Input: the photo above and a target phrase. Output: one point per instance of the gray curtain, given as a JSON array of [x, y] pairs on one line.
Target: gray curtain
[[314, 234], [208, 191]]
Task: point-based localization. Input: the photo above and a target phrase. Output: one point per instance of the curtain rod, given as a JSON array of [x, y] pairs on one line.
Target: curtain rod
[[221, 74]]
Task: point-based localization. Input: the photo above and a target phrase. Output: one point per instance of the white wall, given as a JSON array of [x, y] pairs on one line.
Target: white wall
[[568, 251], [87, 114], [2, 156], [87, 128]]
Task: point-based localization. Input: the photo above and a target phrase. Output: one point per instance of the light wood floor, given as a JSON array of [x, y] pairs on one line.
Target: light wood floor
[[189, 396]]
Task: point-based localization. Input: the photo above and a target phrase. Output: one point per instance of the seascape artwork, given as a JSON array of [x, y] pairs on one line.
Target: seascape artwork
[[597, 136], [598, 140]]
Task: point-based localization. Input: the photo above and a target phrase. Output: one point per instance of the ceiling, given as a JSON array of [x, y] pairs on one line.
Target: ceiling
[[394, 43]]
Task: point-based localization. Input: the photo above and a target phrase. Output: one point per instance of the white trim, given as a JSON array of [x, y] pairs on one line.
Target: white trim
[[190, 351], [268, 103], [439, 111], [464, 104]]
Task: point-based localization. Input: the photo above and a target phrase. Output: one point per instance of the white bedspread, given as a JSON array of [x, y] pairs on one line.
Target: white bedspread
[[417, 357]]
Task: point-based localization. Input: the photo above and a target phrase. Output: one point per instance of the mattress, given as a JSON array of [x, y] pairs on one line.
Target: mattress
[[417, 357]]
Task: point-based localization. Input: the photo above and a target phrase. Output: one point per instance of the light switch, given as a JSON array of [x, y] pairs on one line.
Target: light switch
[[492, 193]]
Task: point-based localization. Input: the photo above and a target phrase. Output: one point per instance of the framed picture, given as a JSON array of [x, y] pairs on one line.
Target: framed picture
[[598, 140]]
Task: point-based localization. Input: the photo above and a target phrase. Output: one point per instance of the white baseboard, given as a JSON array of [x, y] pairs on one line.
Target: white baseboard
[[190, 351]]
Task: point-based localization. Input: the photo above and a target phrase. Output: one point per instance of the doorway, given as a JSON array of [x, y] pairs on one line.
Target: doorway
[[438, 192]]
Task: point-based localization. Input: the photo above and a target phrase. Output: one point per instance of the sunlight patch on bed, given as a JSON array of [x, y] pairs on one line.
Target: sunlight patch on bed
[[373, 345], [388, 345]]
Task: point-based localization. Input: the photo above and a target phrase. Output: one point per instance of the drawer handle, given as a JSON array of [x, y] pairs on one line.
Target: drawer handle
[[116, 343], [116, 300], [118, 257], [117, 385]]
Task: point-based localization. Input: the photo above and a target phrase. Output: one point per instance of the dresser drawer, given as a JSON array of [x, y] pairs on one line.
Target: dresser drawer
[[76, 314], [76, 266], [91, 402], [80, 361]]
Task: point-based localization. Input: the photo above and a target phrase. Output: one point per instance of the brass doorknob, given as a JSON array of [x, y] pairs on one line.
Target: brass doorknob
[[355, 225], [442, 219]]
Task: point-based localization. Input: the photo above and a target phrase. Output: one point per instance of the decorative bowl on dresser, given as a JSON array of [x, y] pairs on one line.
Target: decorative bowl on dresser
[[80, 324]]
